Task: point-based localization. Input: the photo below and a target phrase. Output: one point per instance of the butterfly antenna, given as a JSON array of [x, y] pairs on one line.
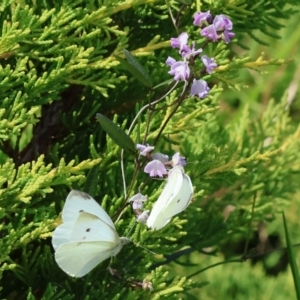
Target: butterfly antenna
[[139, 244], [147, 249]]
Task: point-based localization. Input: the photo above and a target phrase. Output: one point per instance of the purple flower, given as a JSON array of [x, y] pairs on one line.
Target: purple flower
[[220, 29], [222, 22], [228, 35], [210, 33], [180, 70], [178, 160], [161, 157], [137, 201], [180, 42], [200, 88], [144, 149], [201, 18], [170, 61], [143, 217], [188, 52], [209, 63], [155, 168]]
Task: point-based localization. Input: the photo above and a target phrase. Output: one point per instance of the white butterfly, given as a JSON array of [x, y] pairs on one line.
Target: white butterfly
[[86, 237], [174, 198]]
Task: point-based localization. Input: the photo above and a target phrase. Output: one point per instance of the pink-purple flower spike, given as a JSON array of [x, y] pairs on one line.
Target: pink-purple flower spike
[[214, 30]]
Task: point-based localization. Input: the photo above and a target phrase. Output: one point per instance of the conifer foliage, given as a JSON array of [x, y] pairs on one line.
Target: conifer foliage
[[105, 97]]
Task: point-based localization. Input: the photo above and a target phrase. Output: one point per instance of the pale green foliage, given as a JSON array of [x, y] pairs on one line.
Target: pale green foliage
[[31, 179], [57, 70]]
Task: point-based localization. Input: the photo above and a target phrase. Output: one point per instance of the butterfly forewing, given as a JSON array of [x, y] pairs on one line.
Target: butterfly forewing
[[156, 219], [90, 228], [180, 200], [78, 202]]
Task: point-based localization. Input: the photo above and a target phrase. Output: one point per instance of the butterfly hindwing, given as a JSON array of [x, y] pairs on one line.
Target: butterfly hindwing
[[77, 258]]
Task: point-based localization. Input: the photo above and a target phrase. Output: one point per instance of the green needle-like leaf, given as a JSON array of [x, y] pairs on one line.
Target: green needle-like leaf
[[135, 68], [120, 137]]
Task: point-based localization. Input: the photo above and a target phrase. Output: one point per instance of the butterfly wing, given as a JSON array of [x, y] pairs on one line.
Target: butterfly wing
[[76, 203], [77, 259], [86, 237], [89, 228], [181, 200], [156, 219]]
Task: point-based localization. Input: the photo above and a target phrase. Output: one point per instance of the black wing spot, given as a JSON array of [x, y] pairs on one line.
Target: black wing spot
[[81, 210], [88, 230], [178, 200]]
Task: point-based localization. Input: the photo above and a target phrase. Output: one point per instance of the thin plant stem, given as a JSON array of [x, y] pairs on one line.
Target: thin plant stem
[[215, 265], [129, 131], [243, 258], [179, 101]]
